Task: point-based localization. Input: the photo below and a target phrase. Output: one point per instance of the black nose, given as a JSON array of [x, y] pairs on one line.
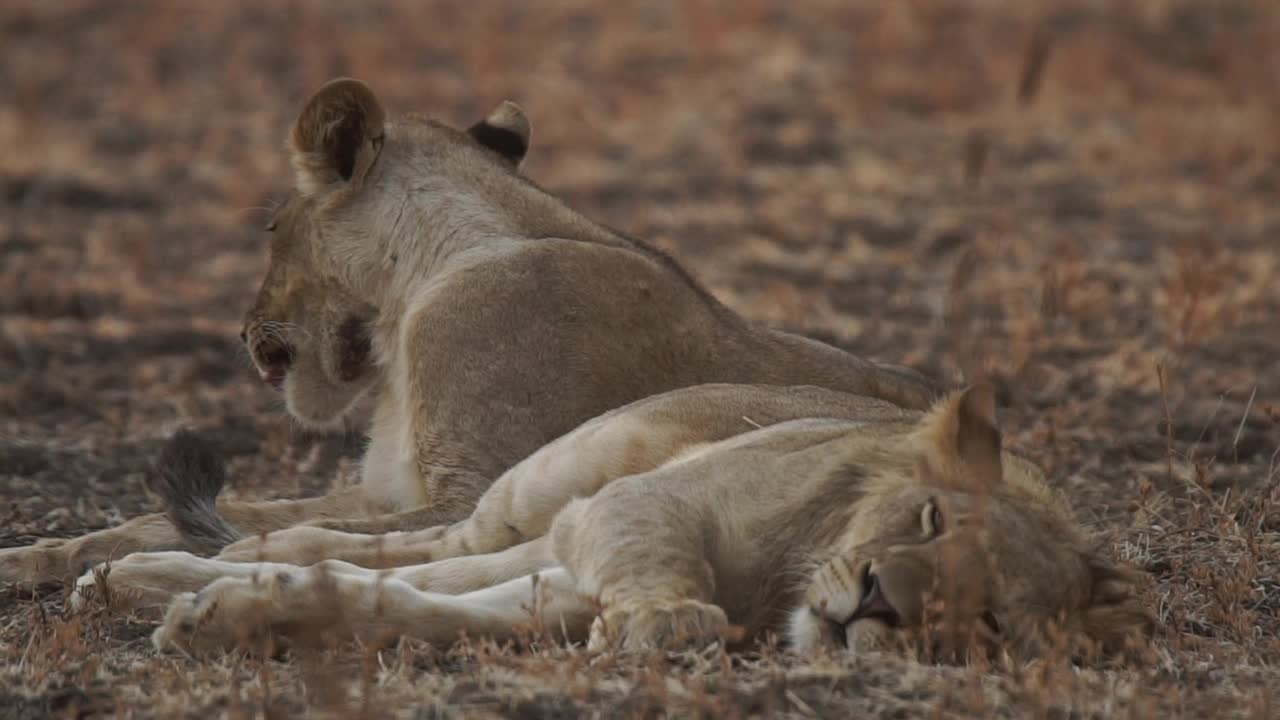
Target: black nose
[[244, 336]]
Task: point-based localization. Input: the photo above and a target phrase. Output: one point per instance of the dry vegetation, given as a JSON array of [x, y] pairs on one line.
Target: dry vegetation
[[1076, 198]]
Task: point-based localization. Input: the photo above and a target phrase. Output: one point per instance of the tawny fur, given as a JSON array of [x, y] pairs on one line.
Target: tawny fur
[[414, 263], [522, 504], [778, 529]]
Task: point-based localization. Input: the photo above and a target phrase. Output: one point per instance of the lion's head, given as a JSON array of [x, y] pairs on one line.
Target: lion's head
[[307, 335], [335, 245], [965, 547], [383, 200]]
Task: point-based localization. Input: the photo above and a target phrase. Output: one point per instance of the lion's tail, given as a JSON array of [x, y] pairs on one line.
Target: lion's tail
[[189, 475]]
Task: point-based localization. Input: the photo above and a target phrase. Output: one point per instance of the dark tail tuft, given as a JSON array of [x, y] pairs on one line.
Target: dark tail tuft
[[189, 474]]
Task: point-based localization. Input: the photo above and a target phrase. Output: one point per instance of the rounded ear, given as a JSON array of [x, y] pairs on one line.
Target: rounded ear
[[337, 137], [977, 437], [960, 437], [505, 131], [1115, 617]]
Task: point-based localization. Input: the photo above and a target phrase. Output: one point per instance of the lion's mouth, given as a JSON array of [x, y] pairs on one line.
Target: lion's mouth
[[273, 360], [273, 377], [873, 604]]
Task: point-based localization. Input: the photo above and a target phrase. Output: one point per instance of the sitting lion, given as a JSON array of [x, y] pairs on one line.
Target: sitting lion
[[414, 262], [867, 527]]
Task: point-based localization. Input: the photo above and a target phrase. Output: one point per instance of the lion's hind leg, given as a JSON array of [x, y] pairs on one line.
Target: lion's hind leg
[[458, 575], [309, 544], [58, 560], [152, 579], [304, 606]]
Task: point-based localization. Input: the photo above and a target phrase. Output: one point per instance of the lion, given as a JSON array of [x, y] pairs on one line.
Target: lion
[[880, 528], [518, 507], [413, 266]]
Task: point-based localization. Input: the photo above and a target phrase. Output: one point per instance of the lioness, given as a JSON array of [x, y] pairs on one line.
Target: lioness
[[414, 261], [854, 532]]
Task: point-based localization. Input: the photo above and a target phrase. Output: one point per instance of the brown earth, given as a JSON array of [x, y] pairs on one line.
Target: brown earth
[[1078, 199]]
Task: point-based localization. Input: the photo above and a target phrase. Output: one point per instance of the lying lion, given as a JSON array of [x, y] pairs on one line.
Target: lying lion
[[414, 262], [858, 525]]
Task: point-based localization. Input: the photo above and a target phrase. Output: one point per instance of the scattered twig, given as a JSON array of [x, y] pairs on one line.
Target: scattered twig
[[1235, 442], [1168, 419], [1033, 66]]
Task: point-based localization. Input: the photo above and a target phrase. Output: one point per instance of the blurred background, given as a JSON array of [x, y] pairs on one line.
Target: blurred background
[[1077, 198]]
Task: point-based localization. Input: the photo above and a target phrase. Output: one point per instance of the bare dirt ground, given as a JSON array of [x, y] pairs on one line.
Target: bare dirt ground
[[1076, 198]]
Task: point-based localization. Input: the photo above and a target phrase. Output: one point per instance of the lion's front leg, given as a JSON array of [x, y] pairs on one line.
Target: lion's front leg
[[647, 563]]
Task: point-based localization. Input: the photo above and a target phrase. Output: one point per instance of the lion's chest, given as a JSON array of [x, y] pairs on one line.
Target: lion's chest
[[389, 473]]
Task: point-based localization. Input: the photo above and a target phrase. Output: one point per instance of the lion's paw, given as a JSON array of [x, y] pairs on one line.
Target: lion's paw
[[140, 580], [660, 625], [228, 613]]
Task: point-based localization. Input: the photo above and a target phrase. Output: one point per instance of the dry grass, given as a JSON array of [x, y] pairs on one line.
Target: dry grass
[[1077, 199]]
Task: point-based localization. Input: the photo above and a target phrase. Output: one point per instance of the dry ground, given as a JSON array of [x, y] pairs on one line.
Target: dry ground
[[1077, 198]]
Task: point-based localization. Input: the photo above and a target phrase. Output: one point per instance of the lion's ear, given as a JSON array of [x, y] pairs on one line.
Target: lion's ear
[[505, 131], [337, 137], [960, 438], [1115, 618]]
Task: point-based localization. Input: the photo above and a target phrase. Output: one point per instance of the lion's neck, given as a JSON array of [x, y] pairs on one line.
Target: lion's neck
[[437, 228], [804, 529], [441, 228]]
